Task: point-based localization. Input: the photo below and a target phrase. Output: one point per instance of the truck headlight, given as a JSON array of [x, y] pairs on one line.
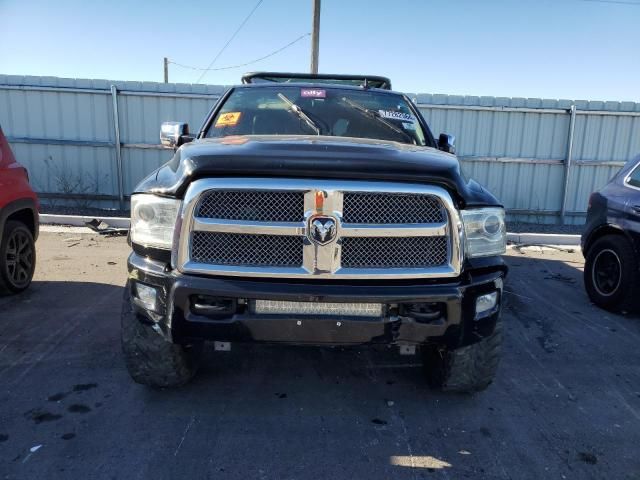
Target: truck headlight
[[485, 232], [153, 220]]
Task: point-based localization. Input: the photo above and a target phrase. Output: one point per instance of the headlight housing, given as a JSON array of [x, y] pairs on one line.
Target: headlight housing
[[153, 220], [485, 232]]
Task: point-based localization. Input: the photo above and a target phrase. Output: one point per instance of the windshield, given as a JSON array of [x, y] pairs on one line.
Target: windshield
[[340, 112]]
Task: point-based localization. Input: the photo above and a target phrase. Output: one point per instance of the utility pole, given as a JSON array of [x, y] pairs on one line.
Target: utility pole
[[315, 36], [166, 70]]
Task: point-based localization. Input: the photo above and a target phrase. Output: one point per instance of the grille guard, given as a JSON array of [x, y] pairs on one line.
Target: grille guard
[[319, 261]]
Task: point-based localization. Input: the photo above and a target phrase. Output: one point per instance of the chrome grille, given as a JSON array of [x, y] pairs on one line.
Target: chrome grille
[[254, 250], [381, 208], [400, 252], [268, 227], [252, 205]]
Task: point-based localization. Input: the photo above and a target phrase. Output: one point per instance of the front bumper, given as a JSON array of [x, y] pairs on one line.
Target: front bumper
[[181, 319]]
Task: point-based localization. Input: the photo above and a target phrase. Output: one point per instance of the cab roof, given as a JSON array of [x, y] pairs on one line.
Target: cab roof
[[369, 81]]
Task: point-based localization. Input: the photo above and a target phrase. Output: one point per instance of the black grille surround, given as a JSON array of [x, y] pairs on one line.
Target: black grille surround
[[388, 208], [247, 249], [252, 205], [394, 252]]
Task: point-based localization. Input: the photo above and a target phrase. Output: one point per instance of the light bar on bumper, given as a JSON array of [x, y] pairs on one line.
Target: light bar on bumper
[[318, 308], [485, 232]]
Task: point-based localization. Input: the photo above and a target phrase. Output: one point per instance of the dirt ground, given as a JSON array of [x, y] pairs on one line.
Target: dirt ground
[[566, 403]]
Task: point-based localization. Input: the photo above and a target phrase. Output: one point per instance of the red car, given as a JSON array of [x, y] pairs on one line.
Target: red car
[[18, 223]]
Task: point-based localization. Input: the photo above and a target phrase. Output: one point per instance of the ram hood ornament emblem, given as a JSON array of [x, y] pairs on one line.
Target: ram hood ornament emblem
[[322, 230]]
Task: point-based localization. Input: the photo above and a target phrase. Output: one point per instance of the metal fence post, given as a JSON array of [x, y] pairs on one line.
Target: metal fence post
[[567, 163], [117, 146]]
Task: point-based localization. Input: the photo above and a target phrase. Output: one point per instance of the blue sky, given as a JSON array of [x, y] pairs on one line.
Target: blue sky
[[574, 49]]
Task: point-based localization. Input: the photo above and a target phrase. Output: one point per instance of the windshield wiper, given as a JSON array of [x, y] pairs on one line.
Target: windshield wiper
[[374, 114], [301, 114]]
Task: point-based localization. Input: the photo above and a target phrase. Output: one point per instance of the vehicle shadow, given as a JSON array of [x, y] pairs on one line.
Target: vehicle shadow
[[53, 321], [297, 412], [54, 298]]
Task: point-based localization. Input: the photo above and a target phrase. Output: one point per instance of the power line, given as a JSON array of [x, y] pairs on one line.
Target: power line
[[230, 40], [241, 64]]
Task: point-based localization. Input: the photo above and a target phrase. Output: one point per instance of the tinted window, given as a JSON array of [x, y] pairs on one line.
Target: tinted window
[[634, 178], [289, 110]]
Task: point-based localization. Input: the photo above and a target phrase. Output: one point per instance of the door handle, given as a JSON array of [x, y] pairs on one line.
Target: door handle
[[635, 208]]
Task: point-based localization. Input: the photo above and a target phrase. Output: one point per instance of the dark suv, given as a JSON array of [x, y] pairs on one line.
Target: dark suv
[[314, 210], [611, 242]]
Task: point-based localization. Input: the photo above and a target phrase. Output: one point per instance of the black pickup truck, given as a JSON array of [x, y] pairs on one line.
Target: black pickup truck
[[314, 210]]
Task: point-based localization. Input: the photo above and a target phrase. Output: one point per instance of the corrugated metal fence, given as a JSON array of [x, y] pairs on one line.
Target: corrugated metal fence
[[89, 142]]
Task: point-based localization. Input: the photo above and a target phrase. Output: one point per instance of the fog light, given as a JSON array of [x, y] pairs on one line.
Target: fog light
[[147, 296], [486, 303]]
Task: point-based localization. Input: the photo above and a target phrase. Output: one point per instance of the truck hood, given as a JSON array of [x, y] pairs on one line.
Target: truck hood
[[313, 157]]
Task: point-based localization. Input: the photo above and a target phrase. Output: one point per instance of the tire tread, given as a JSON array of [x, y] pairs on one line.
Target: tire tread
[[467, 369], [626, 300], [5, 285], [150, 359]]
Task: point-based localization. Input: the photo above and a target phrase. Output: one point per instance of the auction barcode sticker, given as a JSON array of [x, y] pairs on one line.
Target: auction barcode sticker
[[313, 93], [393, 115]]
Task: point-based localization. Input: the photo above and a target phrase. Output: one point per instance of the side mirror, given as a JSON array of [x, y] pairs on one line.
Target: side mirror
[[446, 143], [174, 134]]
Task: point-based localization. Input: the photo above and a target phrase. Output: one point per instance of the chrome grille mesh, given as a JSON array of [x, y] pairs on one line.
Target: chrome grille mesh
[[255, 205], [263, 228], [246, 249], [381, 208], [396, 252]]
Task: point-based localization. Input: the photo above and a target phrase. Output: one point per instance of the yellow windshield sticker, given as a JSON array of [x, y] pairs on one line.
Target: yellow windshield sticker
[[228, 119]]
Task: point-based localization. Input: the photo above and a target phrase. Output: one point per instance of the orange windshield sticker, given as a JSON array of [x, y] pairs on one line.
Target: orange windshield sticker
[[228, 119]]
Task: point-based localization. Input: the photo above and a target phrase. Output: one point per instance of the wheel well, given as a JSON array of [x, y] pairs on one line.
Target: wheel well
[[24, 216], [602, 232]]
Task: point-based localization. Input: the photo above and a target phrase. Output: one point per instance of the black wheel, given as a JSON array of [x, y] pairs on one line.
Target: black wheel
[[466, 369], [611, 274], [151, 359], [17, 257]]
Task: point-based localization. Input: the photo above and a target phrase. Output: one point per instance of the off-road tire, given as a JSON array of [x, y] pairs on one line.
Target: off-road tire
[[8, 282], [625, 297], [466, 369], [150, 359]]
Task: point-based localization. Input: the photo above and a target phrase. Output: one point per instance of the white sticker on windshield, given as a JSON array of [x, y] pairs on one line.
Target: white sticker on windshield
[[393, 115], [409, 126]]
